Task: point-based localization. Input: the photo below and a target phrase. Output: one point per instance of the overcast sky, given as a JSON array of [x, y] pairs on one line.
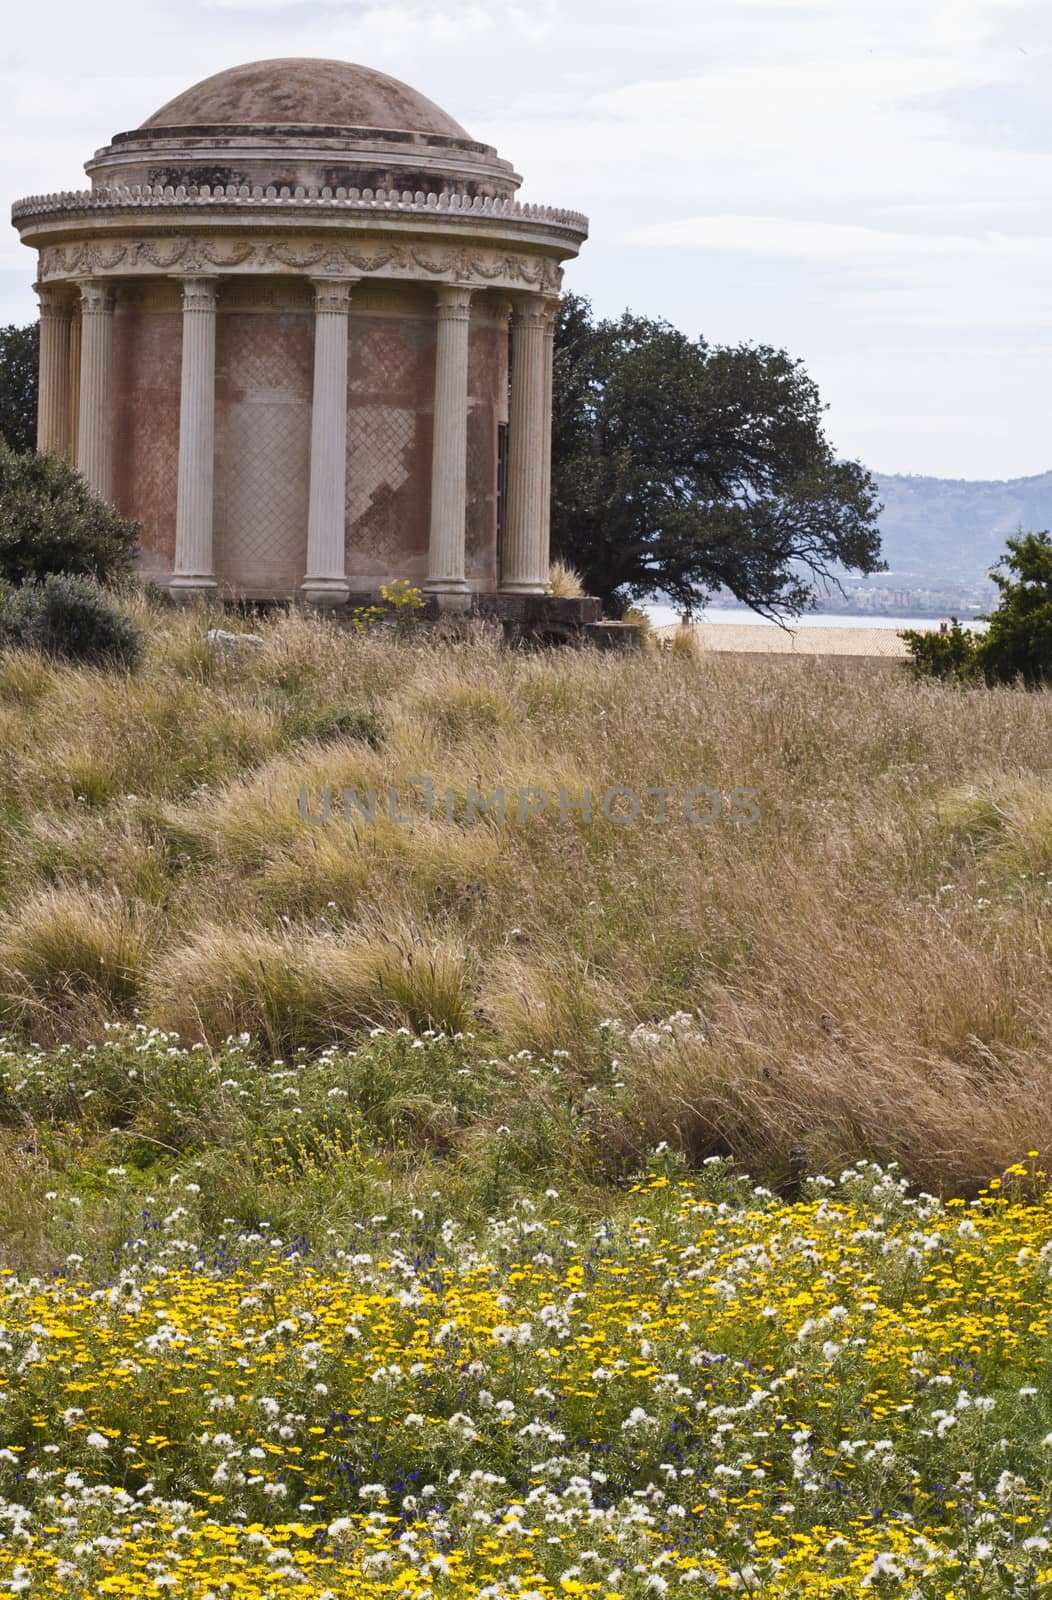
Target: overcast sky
[[865, 182]]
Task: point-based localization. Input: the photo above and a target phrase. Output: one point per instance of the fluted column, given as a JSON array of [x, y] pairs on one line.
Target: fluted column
[[550, 320], [95, 405], [326, 579], [193, 568], [53, 391], [525, 563], [73, 384], [449, 459]]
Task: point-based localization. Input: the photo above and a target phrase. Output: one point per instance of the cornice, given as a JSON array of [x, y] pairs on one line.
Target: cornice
[[272, 202]]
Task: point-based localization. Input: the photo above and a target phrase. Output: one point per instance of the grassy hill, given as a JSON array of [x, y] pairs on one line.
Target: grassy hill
[[954, 529], [373, 1223], [860, 971]]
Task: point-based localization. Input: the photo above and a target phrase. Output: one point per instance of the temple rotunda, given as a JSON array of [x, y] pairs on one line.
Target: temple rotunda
[[301, 330]]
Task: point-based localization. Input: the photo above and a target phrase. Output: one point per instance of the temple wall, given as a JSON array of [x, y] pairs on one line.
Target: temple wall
[[390, 398], [147, 350], [390, 388], [264, 381]]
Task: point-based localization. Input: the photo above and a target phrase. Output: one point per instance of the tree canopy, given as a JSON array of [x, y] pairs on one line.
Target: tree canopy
[[684, 467], [18, 385]]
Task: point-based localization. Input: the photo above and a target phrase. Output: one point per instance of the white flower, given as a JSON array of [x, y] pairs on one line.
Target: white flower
[[97, 1441]]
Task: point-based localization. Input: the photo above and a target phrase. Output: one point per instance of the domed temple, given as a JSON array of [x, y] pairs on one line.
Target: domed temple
[[301, 330]]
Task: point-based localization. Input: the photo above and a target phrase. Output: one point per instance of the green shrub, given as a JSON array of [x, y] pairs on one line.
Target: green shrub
[[1017, 645], [956, 654], [51, 522], [71, 618]]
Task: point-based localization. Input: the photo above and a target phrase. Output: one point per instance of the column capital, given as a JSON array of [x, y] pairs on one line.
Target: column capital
[[333, 294], [453, 302], [96, 296], [532, 311], [200, 291], [54, 300]]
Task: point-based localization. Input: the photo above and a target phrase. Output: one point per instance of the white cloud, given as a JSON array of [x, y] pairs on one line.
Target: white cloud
[[856, 180]]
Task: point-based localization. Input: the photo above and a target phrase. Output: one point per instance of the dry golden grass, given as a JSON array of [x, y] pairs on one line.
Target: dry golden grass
[[871, 958], [564, 581]]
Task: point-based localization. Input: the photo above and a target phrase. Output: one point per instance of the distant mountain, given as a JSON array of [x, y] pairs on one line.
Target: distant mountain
[[952, 530]]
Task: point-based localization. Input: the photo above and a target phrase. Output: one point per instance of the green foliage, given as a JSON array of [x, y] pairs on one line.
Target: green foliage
[[956, 654], [71, 618], [1018, 642], [51, 522], [328, 724], [683, 467], [19, 349], [1017, 645]]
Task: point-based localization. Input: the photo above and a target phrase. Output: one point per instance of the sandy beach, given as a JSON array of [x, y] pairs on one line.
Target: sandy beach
[[755, 638]]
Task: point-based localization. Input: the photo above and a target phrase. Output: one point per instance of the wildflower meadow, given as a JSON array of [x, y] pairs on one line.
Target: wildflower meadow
[[696, 1385]]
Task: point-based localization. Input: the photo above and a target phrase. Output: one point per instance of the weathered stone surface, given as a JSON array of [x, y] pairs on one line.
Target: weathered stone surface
[[233, 645], [299, 90], [613, 635]]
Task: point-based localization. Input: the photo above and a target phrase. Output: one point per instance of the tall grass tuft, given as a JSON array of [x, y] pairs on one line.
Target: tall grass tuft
[[71, 961], [296, 989], [565, 582]]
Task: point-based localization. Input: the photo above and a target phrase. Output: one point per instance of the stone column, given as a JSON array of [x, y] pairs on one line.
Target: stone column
[[95, 405], [525, 564], [449, 458], [326, 579], [53, 402], [73, 384], [546, 443], [192, 572]]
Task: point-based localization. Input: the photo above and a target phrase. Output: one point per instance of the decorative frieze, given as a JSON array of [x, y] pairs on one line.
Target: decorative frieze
[[148, 256]]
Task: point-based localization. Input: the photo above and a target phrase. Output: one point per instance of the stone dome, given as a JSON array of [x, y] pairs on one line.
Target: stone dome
[[302, 122], [301, 91]]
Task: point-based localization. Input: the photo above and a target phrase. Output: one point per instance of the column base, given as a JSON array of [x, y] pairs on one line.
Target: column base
[[454, 596], [325, 591], [524, 586], [191, 583]]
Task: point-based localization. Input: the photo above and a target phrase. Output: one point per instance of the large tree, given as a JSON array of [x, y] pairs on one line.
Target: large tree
[[18, 386], [683, 467]]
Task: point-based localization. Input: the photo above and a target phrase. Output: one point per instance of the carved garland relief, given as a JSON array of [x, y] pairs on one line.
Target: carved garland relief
[[192, 254]]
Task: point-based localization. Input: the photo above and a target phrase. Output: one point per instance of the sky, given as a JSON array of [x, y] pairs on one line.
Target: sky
[[865, 183]]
